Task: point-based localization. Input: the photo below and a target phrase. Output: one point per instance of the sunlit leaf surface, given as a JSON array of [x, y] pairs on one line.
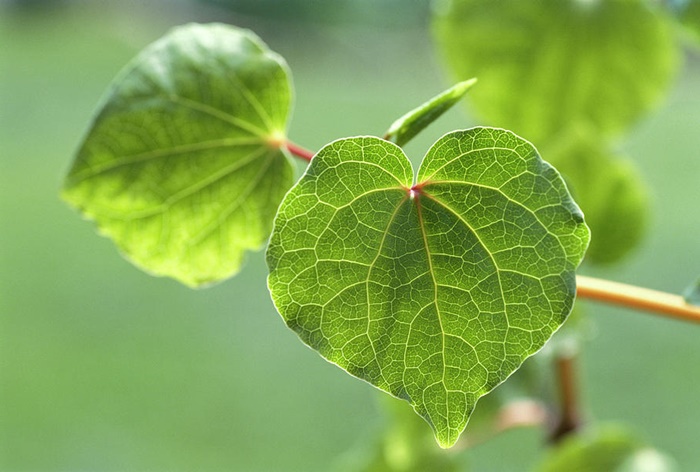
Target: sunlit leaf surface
[[182, 165], [435, 292]]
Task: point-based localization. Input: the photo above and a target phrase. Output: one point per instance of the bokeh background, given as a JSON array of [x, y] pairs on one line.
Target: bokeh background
[[104, 368]]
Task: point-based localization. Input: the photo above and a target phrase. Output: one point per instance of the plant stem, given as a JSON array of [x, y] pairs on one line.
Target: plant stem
[[299, 151], [661, 303], [569, 419]]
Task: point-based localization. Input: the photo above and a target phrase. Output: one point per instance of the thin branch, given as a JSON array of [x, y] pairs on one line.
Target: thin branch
[[299, 151], [569, 418], [661, 303]]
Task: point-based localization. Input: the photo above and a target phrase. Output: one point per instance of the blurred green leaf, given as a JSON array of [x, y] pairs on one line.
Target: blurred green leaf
[[547, 64], [689, 17], [413, 122], [606, 449], [182, 165], [407, 445], [692, 294], [648, 460], [608, 189], [365, 12], [436, 292]]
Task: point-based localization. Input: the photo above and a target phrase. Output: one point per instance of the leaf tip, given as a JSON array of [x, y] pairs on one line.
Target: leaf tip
[[447, 439], [466, 84]]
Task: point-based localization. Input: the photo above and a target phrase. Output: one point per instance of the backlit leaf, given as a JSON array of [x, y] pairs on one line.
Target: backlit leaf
[[182, 165], [544, 65], [434, 292], [413, 122]]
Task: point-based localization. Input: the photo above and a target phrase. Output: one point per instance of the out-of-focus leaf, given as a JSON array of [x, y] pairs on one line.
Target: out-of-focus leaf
[[182, 165], [544, 65], [689, 16], [692, 294], [608, 189], [648, 460], [606, 449], [413, 122], [434, 292], [407, 445]]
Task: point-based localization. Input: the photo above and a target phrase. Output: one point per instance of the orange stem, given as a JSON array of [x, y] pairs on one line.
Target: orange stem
[[662, 303], [568, 420]]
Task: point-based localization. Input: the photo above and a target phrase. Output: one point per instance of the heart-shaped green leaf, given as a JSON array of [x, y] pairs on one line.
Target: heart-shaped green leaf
[[182, 166], [434, 292], [544, 65]]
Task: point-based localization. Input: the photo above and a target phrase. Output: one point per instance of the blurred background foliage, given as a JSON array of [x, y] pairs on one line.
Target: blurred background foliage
[[105, 368]]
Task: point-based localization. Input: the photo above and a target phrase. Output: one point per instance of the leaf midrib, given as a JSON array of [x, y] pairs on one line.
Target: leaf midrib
[[216, 113], [193, 189], [428, 254], [175, 151], [206, 231]]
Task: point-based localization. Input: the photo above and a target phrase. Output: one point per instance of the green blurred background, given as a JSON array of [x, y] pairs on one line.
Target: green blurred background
[[105, 368]]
